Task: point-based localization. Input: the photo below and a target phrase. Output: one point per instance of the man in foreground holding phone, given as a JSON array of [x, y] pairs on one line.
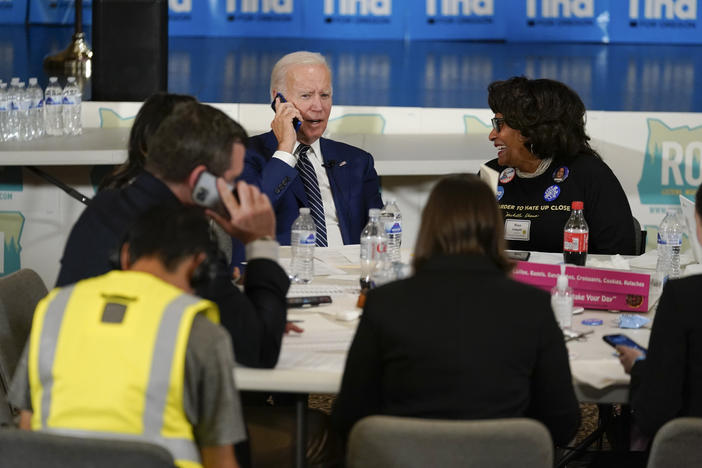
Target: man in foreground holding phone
[[196, 138], [134, 354], [298, 168]]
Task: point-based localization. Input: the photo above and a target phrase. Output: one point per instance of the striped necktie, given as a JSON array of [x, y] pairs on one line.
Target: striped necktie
[[314, 198]]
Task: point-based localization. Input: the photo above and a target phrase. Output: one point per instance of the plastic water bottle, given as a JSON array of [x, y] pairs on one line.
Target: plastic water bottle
[[53, 119], [302, 239], [3, 111], [36, 108], [670, 233], [575, 236], [562, 300], [72, 123], [25, 129], [12, 122], [374, 245], [392, 219]]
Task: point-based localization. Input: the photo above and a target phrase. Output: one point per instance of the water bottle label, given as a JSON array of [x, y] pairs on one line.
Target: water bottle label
[[308, 239], [675, 241], [40, 104], [575, 241], [69, 101], [52, 102], [395, 228], [13, 106]]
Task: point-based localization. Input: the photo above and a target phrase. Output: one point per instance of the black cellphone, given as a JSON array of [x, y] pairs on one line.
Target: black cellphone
[[308, 301], [522, 255], [205, 193], [296, 122], [619, 339]]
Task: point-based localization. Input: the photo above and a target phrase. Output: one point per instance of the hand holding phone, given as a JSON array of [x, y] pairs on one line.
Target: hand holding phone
[[296, 122], [623, 340], [205, 193]]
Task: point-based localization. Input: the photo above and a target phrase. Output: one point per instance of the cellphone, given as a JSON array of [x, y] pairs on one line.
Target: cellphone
[[296, 122], [522, 255], [205, 192], [308, 301], [619, 339]]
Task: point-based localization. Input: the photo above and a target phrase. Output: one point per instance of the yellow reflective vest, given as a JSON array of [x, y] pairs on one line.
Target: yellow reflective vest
[[107, 359]]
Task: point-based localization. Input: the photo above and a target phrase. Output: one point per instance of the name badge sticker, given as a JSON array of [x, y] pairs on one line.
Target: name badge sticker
[[500, 192], [552, 193], [507, 175], [517, 229], [560, 174]]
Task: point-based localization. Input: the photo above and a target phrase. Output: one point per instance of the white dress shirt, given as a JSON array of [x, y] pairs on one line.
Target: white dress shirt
[[330, 217]]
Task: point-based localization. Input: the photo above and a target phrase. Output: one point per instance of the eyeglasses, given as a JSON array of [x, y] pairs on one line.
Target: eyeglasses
[[497, 123]]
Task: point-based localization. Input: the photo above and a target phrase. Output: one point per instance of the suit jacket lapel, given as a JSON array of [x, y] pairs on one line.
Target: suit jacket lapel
[[298, 189]]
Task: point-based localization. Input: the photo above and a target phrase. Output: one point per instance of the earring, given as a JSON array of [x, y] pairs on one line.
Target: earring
[[531, 149]]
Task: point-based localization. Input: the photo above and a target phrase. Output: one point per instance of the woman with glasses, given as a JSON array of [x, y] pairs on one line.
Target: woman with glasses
[[545, 162], [459, 339]]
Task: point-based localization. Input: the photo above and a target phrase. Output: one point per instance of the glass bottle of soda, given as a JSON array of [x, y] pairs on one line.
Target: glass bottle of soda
[[575, 236]]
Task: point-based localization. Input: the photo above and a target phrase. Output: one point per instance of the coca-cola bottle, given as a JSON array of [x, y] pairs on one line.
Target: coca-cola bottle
[[575, 235]]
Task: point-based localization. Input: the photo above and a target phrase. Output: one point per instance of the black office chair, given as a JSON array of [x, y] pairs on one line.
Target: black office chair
[[640, 237], [30, 449], [19, 294]]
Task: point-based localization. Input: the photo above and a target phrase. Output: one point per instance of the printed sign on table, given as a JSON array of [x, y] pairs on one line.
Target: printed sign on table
[[562, 20], [236, 18], [670, 22], [454, 19], [58, 12], [13, 11]]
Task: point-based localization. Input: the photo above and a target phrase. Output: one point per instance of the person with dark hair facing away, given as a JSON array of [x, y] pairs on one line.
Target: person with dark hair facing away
[[545, 162], [196, 138], [156, 108], [666, 383], [460, 339], [133, 354]]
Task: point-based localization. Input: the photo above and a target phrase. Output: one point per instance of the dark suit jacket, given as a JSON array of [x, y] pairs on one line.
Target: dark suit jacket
[[353, 180], [459, 340], [668, 383], [255, 319]]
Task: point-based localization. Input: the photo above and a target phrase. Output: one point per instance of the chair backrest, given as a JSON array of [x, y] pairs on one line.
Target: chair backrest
[[390, 441], [677, 443], [19, 294], [640, 237], [39, 449]]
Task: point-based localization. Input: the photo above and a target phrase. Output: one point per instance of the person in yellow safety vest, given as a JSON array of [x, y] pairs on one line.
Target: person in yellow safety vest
[[132, 354]]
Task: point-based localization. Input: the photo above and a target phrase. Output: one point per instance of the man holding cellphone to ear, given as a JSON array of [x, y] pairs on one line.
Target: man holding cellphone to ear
[[194, 139], [297, 168]]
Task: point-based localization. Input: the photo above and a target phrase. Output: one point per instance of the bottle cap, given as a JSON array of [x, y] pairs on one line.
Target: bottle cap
[[592, 322], [71, 79], [53, 79], [373, 213], [577, 205], [32, 81], [304, 210]]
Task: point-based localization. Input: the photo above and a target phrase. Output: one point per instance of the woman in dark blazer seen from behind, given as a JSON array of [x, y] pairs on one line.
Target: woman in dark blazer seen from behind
[[460, 339]]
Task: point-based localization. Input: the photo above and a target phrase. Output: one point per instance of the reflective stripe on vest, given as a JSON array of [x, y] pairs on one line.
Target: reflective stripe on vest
[[158, 379]]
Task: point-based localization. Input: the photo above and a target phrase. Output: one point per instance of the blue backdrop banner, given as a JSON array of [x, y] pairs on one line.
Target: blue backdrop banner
[[669, 22], [355, 19], [13, 11], [58, 11], [559, 20], [235, 18], [453, 19]]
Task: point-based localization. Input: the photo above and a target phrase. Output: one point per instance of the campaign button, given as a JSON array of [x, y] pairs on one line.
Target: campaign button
[[552, 193], [560, 174], [500, 192], [507, 175]]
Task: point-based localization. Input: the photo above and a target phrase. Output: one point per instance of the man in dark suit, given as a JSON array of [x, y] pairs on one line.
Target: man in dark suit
[[284, 160]]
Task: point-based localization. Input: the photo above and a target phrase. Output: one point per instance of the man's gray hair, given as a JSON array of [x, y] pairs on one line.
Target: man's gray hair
[[280, 70]]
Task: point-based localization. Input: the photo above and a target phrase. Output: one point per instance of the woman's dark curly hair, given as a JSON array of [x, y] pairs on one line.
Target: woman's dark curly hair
[[547, 112]]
